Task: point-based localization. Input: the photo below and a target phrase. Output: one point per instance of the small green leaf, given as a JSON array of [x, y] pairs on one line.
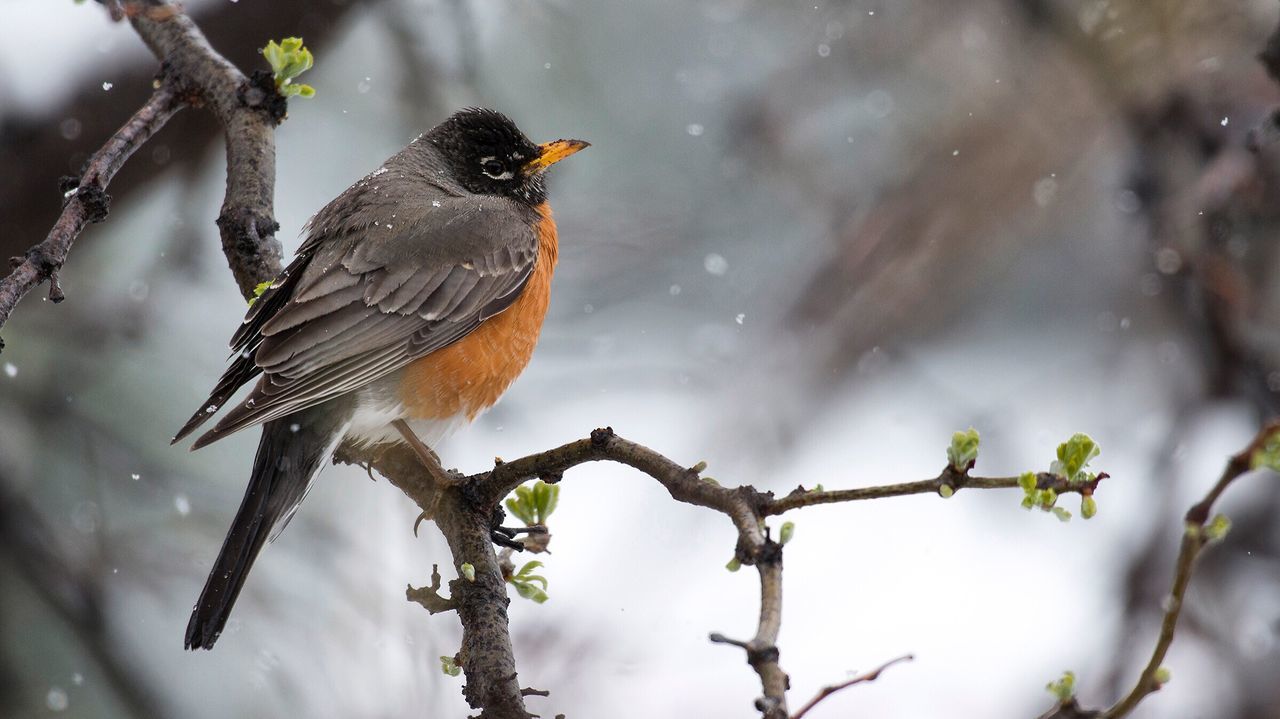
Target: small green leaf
[[963, 451], [786, 532], [1088, 506], [526, 582], [289, 59], [1028, 501], [1268, 455], [261, 288], [1163, 675], [1217, 528], [545, 497], [699, 468], [1028, 482], [534, 503], [449, 666], [1048, 498], [733, 565], [1062, 514], [1064, 688], [530, 591], [468, 572], [1073, 456], [818, 488], [946, 491]]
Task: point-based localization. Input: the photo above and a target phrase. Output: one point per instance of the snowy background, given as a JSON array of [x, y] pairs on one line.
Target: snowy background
[[809, 241]]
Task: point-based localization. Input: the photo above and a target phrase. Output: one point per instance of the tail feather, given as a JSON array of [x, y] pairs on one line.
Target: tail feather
[[291, 452], [240, 372]]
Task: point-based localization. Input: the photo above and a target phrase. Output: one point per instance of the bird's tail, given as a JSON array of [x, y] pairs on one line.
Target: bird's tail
[[291, 452]]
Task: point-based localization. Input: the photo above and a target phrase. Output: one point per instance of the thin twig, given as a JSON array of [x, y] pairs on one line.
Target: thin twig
[[870, 676], [1194, 540], [429, 597], [949, 479], [85, 203]]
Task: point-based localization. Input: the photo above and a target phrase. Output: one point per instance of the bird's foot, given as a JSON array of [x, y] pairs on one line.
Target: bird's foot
[[506, 536]]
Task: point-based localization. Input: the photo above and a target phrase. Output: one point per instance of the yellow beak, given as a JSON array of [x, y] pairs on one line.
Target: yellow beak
[[550, 153]]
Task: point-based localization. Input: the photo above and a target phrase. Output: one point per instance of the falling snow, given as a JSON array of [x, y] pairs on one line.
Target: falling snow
[[182, 504], [715, 264], [10, 370]]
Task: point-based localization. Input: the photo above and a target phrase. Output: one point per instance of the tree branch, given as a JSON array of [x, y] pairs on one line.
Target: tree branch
[[192, 73], [870, 676], [1194, 539], [949, 479], [429, 597], [248, 111], [86, 201]]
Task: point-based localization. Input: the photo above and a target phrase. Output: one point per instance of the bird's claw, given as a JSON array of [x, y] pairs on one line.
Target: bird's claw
[[421, 516]]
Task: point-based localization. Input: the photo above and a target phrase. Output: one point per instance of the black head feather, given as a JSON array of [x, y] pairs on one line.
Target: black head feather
[[488, 153]]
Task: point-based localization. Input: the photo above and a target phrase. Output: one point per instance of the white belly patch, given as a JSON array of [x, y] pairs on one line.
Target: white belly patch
[[375, 411]]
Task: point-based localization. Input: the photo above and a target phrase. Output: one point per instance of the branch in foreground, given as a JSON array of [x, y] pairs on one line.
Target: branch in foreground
[[248, 110], [193, 73], [86, 202], [478, 495]]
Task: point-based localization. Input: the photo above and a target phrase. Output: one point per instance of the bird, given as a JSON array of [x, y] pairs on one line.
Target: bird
[[416, 297]]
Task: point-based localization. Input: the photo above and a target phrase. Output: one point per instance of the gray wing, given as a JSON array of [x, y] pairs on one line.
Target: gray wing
[[378, 296]]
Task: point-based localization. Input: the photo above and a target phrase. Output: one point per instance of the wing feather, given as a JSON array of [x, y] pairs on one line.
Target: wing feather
[[367, 301]]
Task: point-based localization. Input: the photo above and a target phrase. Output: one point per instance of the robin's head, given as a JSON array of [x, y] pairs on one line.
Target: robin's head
[[489, 155]]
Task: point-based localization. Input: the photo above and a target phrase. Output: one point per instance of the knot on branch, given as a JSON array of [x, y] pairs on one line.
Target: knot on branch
[[601, 436], [96, 201], [259, 93], [185, 91], [769, 553], [248, 241]]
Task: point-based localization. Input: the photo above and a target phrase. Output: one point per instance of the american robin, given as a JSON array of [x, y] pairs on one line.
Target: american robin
[[417, 295]]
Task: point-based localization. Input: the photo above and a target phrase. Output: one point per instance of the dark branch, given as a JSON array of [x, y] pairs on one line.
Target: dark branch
[[248, 112], [86, 202]]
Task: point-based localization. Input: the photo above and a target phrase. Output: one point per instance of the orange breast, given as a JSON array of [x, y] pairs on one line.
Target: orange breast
[[471, 374]]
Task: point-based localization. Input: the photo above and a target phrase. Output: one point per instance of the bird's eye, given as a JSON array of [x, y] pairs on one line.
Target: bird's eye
[[493, 168]]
